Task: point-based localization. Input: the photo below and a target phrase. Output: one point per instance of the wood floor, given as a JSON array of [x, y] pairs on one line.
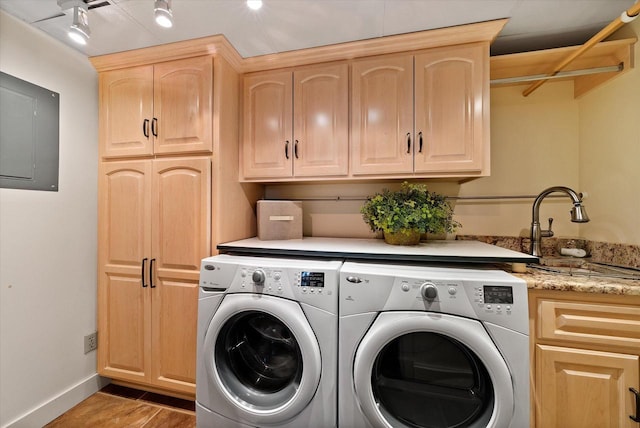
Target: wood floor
[[117, 406]]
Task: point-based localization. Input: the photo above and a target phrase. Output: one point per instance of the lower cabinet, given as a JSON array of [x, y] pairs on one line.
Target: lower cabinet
[[154, 228], [586, 360]]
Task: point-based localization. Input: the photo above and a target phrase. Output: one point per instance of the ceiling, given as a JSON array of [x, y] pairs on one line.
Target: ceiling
[[284, 25]]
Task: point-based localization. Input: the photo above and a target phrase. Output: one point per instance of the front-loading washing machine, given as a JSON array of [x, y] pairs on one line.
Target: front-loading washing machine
[[432, 347], [267, 342]]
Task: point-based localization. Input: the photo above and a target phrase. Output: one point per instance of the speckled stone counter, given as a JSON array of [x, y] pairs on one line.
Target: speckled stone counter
[[602, 252], [598, 285], [616, 254]]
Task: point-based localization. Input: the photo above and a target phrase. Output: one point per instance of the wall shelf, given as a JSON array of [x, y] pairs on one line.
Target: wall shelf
[[604, 54]]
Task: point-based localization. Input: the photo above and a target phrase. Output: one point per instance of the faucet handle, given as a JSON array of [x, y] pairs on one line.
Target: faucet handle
[[547, 233]]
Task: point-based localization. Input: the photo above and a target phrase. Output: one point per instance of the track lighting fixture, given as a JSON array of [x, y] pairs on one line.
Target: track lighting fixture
[[79, 31], [163, 14]]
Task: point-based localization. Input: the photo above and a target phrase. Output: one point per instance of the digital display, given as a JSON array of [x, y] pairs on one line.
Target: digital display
[[498, 294], [312, 279]]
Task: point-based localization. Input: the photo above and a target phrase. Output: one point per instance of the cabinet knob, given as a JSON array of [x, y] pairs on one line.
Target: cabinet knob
[[286, 149], [408, 142]]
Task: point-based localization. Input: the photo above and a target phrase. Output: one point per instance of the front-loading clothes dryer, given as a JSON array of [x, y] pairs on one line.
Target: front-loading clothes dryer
[[432, 347], [267, 342]]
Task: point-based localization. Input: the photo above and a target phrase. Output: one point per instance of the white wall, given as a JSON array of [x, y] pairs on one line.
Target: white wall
[[48, 244], [610, 154]]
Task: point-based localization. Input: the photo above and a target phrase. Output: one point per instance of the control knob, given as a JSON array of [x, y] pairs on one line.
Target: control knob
[[429, 291], [258, 277]]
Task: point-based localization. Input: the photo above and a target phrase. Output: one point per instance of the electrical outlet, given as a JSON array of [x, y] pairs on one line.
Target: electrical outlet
[[90, 342]]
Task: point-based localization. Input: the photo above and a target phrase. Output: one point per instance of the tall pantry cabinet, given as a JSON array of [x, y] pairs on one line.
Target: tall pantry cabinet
[[168, 194]]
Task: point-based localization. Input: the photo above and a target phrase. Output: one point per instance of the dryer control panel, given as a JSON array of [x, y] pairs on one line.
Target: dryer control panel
[[488, 295]]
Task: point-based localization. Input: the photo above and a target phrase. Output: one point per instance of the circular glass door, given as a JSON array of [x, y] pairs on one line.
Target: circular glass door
[[257, 352], [430, 380], [262, 358], [425, 370]]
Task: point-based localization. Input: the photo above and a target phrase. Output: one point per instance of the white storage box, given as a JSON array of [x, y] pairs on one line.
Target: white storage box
[[279, 220]]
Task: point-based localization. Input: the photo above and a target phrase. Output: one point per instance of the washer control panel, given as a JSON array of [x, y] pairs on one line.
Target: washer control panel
[[311, 281]]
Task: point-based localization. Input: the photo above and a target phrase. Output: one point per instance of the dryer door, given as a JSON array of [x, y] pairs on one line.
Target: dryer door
[[421, 369], [262, 355]]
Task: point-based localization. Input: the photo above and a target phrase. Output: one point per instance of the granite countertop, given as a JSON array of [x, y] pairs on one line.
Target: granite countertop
[[600, 285], [602, 252]]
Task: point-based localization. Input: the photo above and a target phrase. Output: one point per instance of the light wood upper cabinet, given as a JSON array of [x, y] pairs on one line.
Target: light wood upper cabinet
[[422, 115], [154, 229], [182, 102], [296, 123], [321, 121], [266, 149], [157, 109], [382, 115], [126, 109], [451, 89]]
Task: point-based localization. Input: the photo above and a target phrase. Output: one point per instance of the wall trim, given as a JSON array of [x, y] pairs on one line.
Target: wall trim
[[49, 410]]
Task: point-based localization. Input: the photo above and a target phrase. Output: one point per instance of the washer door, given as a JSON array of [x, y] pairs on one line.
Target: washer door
[[262, 354], [420, 369]]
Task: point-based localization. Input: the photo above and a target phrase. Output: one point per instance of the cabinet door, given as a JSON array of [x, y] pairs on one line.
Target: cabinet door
[[267, 144], [450, 99], [181, 239], [126, 109], [124, 302], [183, 97], [580, 388], [382, 115], [321, 121]]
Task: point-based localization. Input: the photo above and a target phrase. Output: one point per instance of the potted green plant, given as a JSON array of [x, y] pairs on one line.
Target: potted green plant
[[405, 214]]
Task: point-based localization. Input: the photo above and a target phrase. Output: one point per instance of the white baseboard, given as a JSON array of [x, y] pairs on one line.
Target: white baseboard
[[48, 411]]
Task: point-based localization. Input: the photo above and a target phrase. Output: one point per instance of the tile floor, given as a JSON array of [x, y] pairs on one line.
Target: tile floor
[[118, 406]]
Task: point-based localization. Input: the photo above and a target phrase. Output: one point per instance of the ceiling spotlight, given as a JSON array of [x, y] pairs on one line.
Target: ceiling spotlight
[[162, 11], [254, 4], [79, 30]]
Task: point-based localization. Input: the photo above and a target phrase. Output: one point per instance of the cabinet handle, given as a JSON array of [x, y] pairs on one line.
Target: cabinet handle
[[408, 142], [151, 273], [154, 127], [286, 149], [295, 149], [420, 142], [145, 128], [144, 263], [636, 418]]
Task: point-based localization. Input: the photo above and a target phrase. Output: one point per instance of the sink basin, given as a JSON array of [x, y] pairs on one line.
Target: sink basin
[[584, 267]]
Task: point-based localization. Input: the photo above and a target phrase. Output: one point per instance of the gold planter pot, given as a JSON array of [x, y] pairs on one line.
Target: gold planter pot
[[403, 237]]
